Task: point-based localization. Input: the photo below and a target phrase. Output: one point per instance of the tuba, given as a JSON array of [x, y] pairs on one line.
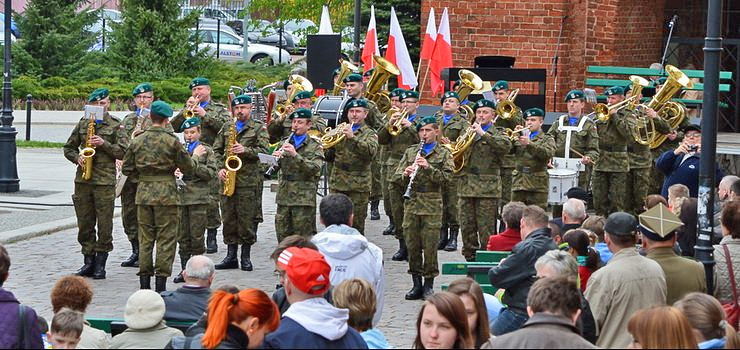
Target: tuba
[[384, 69], [673, 112], [232, 163], [469, 82], [299, 84], [88, 152], [506, 109], [346, 68], [395, 128], [643, 131], [333, 137]]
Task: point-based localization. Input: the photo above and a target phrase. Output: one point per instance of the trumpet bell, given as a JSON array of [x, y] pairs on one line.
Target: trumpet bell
[[506, 109], [469, 82]]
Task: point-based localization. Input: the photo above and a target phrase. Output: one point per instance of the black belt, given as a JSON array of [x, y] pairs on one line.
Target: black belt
[[187, 178], [613, 148], [351, 167], [427, 189], [637, 149], [528, 170]]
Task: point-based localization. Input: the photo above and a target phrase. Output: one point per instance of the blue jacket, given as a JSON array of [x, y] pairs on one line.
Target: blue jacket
[[686, 173], [291, 335]]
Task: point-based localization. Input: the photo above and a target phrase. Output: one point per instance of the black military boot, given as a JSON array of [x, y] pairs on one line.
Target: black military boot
[[443, 239], [133, 259], [179, 278], [160, 284], [88, 268], [428, 289], [374, 213], [230, 261], [246, 260], [145, 282], [391, 229], [100, 260], [211, 244], [452, 242], [416, 291], [402, 254]]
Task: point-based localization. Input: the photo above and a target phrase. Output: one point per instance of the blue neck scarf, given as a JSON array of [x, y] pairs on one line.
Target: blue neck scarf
[[240, 125], [428, 147], [447, 117], [298, 140], [204, 104], [412, 117], [356, 127], [573, 121], [486, 127], [192, 145], [533, 134], [581, 259]]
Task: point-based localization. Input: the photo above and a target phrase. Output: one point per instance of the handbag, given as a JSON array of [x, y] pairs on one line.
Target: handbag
[[732, 310]]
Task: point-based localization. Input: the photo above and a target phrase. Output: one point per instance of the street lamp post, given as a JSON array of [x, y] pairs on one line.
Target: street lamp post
[[9, 181]]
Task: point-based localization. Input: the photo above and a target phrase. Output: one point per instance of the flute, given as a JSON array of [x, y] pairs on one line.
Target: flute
[[407, 194], [274, 167]]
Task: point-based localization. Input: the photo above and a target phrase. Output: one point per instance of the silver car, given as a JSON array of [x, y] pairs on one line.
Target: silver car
[[231, 46]]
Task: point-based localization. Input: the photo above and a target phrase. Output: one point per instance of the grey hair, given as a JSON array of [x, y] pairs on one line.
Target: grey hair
[[200, 267], [575, 208], [728, 181], [561, 262]]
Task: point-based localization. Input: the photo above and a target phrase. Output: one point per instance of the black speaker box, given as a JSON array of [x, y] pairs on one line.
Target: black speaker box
[[322, 57]]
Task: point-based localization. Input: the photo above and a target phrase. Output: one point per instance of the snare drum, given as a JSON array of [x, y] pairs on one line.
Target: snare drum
[[331, 108], [561, 180]]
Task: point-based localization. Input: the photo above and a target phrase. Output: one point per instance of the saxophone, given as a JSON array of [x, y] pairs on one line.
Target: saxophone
[[232, 163], [89, 151]]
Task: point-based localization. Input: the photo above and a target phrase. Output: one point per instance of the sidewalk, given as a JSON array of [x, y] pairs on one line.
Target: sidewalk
[[52, 126]]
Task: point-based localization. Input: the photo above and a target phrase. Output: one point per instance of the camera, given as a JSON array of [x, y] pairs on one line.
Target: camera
[[693, 148]]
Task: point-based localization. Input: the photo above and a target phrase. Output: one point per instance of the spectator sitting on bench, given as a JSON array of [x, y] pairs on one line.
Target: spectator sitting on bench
[[144, 317], [506, 240], [189, 302], [75, 293], [66, 329]]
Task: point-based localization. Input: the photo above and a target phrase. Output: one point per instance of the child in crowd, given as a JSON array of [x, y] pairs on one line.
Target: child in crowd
[[66, 329]]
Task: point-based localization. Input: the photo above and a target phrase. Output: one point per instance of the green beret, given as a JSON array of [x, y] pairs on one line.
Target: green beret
[[534, 112], [301, 95], [450, 94], [300, 113], [369, 72], [614, 90], [241, 100], [358, 102], [192, 122], [98, 95], [396, 92], [335, 72], [409, 94], [501, 85], [484, 103], [574, 94], [661, 81], [142, 88], [354, 77], [286, 83], [162, 109], [426, 121], [198, 82]]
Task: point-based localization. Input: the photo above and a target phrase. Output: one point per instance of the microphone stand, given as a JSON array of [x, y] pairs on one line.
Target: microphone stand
[[671, 25], [555, 65]]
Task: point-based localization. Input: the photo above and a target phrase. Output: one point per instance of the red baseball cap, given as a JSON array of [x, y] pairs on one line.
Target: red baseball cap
[[306, 269]]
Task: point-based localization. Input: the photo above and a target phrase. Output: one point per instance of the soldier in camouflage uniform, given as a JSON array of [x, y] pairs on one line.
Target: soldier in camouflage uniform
[[240, 209], [94, 199], [300, 161], [501, 92], [195, 196], [212, 117], [431, 166], [452, 125], [280, 127], [351, 175], [395, 96], [153, 158], [533, 151], [611, 172], [581, 132], [395, 147], [134, 124], [478, 185]]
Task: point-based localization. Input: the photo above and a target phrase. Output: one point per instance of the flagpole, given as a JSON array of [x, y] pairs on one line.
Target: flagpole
[[426, 74]]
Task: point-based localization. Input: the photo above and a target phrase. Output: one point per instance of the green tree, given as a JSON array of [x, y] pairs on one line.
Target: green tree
[[54, 35], [152, 43]]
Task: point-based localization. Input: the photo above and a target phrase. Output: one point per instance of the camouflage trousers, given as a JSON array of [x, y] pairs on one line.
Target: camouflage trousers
[[238, 212], [214, 215], [396, 201], [506, 178], [128, 210], [295, 220], [376, 192], [638, 185], [192, 227], [610, 192], [584, 178], [477, 223], [385, 189], [421, 233], [656, 181], [530, 198], [158, 225], [449, 204], [359, 204], [94, 205]]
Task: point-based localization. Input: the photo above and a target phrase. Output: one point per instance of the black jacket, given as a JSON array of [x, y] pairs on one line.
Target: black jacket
[[235, 339], [516, 273]]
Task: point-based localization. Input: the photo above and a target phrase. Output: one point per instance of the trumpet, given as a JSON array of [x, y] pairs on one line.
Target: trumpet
[[513, 135], [299, 84], [333, 137], [189, 112], [506, 109], [395, 128]]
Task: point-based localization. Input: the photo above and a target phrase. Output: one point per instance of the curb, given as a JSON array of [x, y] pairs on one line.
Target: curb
[[43, 229]]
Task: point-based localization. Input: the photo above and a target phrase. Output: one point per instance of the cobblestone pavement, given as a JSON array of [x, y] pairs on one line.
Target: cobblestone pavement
[[37, 263]]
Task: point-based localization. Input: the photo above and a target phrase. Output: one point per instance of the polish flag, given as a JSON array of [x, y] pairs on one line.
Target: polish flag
[[371, 43], [427, 47], [442, 54], [399, 55]]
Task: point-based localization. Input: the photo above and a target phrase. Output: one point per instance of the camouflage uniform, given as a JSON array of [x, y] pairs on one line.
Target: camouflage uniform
[[612, 169], [279, 131], [479, 189], [296, 196], [662, 127], [153, 158], [240, 209], [530, 183], [509, 163], [455, 127], [128, 193], [395, 147], [195, 197], [640, 162], [351, 174], [584, 140], [94, 199], [423, 212], [376, 121]]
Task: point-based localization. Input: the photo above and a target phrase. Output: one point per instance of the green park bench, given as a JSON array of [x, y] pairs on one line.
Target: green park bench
[[115, 326], [602, 77], [487, 288], [477, 270]]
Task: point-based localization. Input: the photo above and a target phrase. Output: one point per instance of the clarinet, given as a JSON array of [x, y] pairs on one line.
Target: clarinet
[[273, 167], [407, 194]]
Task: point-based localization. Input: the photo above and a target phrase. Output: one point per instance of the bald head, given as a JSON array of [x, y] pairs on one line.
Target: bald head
[[574, 211], [199, 271], [725, 187]]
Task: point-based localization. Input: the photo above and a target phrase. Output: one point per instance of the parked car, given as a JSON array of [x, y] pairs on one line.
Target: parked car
[[209, 12], [110, 16], [16, 33], [300, 29], [230, 47], [264, 32]]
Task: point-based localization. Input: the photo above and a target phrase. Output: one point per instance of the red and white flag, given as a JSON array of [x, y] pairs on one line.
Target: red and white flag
[[399, 55], [442, 55], [427, 46], [371, 43]]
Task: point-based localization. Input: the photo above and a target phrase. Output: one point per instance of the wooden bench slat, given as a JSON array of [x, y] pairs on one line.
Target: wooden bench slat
[[461, 268], [490, 256], [603, 82], [617, 70]]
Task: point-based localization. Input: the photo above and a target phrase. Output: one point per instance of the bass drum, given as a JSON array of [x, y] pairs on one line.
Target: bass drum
[[331, 108]]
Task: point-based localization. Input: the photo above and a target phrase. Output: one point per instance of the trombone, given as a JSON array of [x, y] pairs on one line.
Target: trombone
[[506, 109], [602, 111]]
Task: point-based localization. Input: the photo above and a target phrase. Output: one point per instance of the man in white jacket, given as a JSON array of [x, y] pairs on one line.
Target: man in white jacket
[[348, 252]]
